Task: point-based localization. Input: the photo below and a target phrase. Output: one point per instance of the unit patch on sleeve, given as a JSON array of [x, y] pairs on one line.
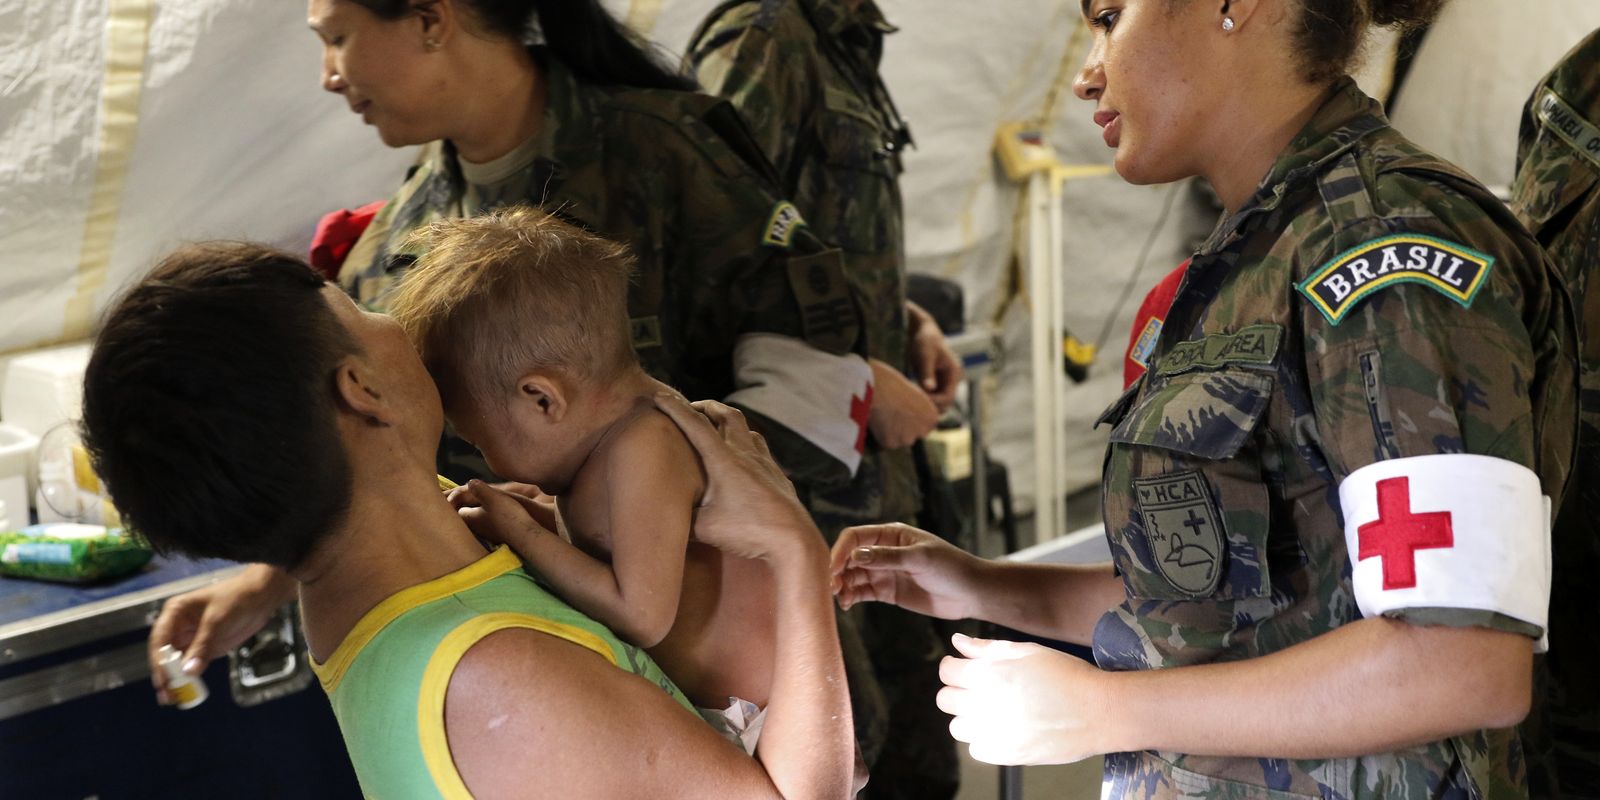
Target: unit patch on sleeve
[[1146, 344], [1183, 529], [785, 220], [1453, 270]]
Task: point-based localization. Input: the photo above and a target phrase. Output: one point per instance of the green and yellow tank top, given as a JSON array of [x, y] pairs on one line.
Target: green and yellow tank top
[[387, 679]]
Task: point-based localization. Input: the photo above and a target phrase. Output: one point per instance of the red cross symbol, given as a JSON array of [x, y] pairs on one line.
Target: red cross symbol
[[1397, 534], [860, 411]]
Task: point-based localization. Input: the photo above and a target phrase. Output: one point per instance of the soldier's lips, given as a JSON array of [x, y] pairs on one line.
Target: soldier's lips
[[1110, 123]]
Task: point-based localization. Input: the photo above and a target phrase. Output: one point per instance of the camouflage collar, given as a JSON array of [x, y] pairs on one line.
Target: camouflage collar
[[572, 114], [1343, 119]]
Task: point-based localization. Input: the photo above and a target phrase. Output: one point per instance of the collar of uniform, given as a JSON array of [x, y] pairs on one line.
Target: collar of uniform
[[1344, 118], [572, 134]]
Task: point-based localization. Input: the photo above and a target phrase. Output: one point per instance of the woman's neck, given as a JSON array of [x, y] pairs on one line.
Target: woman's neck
[[399, 532], [1256, 138], [503, 107]]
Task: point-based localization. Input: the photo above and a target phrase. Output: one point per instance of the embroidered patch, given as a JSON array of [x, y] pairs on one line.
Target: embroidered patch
[[645, 332], [1146, 344], [1183, 530], [1569, 125], [1455, 271], [785, 220], [1254, 344], [827, 314]]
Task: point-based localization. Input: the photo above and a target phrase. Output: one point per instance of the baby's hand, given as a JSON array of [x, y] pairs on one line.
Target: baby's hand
[[499, 516]]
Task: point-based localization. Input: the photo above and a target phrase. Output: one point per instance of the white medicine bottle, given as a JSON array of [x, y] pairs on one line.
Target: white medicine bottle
[[187, 690]]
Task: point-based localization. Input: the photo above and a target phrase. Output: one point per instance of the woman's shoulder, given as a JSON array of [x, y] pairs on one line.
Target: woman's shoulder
[[678, 125], [1391, 217]]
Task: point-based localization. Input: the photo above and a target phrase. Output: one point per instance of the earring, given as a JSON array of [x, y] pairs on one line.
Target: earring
[[1227, 23], [430, 44]]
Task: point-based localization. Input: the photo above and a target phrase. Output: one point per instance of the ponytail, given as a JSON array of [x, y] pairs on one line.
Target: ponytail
[[599, 49], [582, 34]]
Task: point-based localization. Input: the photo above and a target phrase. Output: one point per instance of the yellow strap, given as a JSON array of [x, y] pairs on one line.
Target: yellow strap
[[127, 37], [436, 683]]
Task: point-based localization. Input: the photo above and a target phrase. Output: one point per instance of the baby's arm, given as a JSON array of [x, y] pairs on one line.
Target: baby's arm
[[649, 481]]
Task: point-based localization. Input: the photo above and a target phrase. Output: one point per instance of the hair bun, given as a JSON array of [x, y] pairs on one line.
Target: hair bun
[[1403, 13]]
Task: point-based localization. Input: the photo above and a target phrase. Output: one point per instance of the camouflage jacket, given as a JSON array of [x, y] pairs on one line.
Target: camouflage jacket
[[1556, 194], [676, 176], [1263, 393], [804, 74]]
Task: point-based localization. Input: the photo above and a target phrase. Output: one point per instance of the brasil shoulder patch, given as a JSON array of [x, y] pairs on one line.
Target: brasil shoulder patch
[[1455, 271], [785, 220]]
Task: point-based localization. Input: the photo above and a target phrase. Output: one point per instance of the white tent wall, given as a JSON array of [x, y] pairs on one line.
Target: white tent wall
[[233, 138]]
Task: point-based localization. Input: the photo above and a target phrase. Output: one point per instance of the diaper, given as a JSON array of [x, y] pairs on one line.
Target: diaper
[[740, 722]]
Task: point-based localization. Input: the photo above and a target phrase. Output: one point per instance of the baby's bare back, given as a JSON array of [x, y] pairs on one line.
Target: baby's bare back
[[720, 643]]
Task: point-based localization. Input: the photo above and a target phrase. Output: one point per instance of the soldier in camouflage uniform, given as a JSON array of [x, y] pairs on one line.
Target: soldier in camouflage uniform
[[1557, 196], [1305, 566], [804, 73], [725, 267]]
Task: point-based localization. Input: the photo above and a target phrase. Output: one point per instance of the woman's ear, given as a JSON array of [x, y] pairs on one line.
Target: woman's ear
[[359, 396], [439, 21]]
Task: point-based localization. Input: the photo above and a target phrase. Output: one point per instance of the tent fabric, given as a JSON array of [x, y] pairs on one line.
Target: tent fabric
[[232, 137]]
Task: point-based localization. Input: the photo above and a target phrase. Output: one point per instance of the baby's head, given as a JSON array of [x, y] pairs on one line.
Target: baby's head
[[522, 319]]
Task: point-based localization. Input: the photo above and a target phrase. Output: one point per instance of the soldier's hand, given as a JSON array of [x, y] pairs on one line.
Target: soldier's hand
[[1022, 703], [935, 364], [901, 411], [210, 621], [907, 567]]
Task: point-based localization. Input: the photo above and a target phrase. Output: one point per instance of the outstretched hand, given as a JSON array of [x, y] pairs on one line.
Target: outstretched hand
[[1023, 703], [907, 567]]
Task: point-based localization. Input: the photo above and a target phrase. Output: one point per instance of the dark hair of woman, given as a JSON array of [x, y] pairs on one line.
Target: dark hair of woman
[[581, 33], [1331, 31]]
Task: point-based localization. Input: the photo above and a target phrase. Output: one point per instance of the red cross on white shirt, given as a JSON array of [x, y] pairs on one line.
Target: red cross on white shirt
[[1397, 534]]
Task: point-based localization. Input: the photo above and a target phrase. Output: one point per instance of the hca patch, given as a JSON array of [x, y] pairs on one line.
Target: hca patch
[[1453, 270], [785, 220]]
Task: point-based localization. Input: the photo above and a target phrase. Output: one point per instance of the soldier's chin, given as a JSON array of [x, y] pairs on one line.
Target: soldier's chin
[[395, 138], [1139, 169]]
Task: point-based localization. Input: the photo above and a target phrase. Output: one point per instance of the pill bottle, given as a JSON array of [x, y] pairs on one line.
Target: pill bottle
[[187, 690]]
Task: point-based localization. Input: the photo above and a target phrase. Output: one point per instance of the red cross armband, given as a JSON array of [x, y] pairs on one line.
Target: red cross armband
[[1449, 531], [822, 397]]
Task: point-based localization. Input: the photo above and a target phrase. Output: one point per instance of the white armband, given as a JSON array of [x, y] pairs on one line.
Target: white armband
[[1449, 531], [824, 398]]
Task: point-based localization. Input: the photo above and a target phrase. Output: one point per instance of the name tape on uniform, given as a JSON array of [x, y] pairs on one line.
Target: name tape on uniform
[[783, 223], [1455, 271], [1254, 344], [1569, 125]]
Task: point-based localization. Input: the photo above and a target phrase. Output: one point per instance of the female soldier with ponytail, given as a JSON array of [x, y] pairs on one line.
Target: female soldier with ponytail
[[1328, 499]]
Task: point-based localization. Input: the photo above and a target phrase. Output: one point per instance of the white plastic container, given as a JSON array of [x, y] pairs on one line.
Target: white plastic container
[[44, 388], [17, 448]]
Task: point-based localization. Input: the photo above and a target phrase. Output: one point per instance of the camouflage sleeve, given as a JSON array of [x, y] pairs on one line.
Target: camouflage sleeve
[[765, 72], [1436, 359]]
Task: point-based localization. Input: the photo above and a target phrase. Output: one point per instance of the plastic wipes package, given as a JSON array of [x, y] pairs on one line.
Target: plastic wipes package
[[70, 552]]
